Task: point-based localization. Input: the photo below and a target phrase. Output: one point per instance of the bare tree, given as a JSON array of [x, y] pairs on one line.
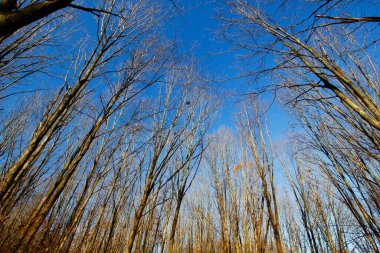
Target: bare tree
[[179, 126], [60, 108], [328, 75]]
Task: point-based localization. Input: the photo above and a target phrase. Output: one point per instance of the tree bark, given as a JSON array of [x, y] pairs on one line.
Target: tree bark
[[13, 21]]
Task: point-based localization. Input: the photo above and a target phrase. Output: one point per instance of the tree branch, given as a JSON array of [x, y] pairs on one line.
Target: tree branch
[[13, 21], [92, 10], [350, 19]]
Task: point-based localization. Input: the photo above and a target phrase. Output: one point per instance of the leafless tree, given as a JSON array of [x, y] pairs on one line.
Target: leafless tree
[[328, 75]]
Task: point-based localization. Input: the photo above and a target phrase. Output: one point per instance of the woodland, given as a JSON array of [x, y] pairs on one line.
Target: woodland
[[109, 140]]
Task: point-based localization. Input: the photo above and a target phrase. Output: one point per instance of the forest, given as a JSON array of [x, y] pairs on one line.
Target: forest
[[116, 135]]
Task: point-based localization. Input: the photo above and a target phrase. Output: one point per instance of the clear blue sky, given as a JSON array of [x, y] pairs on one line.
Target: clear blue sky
[[197, 30]]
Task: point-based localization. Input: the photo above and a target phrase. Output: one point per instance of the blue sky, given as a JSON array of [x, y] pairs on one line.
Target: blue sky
[[197, 30]]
